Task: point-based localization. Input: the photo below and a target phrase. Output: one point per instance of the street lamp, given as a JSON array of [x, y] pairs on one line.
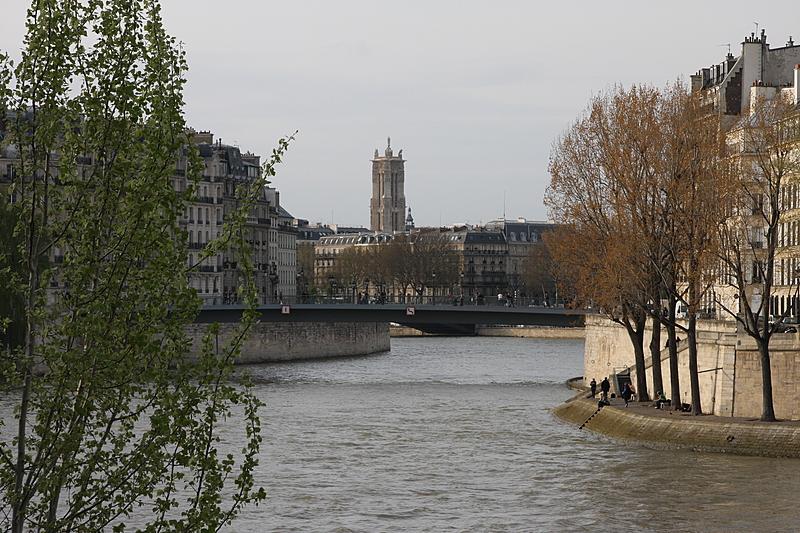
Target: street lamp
[[366, 290], [331, 284], [273, 279], [300, 285], [433, 275]]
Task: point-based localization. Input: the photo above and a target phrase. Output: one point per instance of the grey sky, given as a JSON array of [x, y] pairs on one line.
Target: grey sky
[[473, 92]]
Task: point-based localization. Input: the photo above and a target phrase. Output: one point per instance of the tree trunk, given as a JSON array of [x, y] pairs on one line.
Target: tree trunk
[[672, 343], [636, 335], [641, 376], [694, 377], [767, 407], [655, 355]]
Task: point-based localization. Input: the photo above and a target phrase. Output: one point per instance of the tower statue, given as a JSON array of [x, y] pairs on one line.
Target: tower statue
[[387, 207]]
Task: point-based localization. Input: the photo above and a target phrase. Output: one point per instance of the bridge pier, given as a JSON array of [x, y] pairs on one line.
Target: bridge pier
[[270, 342]]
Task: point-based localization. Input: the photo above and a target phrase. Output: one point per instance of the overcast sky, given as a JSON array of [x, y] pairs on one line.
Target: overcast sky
[[474, 92]]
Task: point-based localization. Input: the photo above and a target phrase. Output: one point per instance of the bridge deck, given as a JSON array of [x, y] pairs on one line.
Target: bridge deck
[[399, 313]]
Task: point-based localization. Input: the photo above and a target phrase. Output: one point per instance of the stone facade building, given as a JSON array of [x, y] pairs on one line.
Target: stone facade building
[[273, 244], [731, 89], [483, 259], [525, 243], [726, 87], [268, 228], [328, 247], [387, 207]]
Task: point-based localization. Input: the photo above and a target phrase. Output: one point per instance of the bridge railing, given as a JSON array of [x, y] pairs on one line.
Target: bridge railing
[[439, 300]]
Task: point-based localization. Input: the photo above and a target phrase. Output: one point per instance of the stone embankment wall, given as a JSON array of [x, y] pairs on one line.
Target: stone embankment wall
[[533, 332], [785, 365], [716, 357], [405, 331], [729, 364], [294, 341], [741, 438]]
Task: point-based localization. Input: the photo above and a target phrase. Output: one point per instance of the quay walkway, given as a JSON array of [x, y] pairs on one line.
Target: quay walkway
[[666, 429]]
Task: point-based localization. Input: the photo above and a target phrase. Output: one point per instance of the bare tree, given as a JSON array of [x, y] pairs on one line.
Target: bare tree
[[600, 170], [540, 273], [695, 183]]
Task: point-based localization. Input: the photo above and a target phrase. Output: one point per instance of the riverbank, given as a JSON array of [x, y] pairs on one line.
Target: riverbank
[[664, 429], [529, 332]]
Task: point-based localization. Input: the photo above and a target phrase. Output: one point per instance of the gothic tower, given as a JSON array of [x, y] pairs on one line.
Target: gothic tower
[[387, 208]]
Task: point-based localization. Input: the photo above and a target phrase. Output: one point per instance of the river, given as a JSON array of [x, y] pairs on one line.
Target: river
[[455, 434]]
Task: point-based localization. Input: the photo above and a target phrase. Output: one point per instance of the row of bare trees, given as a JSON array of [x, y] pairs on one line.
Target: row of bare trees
[[666, 205], [407, 265]]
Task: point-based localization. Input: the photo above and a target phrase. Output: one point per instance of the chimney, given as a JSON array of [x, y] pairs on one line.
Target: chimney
[[697, 82], [797, 84]]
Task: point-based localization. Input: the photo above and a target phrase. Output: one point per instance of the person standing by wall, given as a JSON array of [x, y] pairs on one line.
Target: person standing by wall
[[605, 386]]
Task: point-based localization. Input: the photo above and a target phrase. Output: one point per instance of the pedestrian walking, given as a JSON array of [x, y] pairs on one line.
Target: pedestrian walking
[[605, 386], [627, 393], [593, 387]]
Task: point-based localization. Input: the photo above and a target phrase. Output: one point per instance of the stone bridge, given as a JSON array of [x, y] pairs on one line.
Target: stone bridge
[[429, 318]]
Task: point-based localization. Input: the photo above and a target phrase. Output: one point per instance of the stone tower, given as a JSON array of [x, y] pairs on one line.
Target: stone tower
[[387, 208]]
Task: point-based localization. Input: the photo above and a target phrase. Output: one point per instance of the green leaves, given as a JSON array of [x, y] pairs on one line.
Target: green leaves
[[115, 416]]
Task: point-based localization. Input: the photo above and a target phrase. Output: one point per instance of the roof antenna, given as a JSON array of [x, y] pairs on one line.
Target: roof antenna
[[756, 23], [728, 45], [504, 206]]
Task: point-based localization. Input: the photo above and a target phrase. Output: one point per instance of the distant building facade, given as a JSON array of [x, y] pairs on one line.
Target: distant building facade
[[483, 259], [731, 89], [387, 207], [268, 229], [216, 277], [525, 241], [726, 86]]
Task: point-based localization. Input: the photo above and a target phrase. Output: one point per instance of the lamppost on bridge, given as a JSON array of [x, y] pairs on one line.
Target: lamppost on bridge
[[273, 280], [331, 285], [366, 290], [300, 286], [433, 283]]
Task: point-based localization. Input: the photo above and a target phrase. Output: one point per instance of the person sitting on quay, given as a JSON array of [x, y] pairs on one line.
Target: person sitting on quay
[[593, 387], [661, 400]]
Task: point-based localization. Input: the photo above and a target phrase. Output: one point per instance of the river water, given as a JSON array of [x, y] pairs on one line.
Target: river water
[[455, 434]]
